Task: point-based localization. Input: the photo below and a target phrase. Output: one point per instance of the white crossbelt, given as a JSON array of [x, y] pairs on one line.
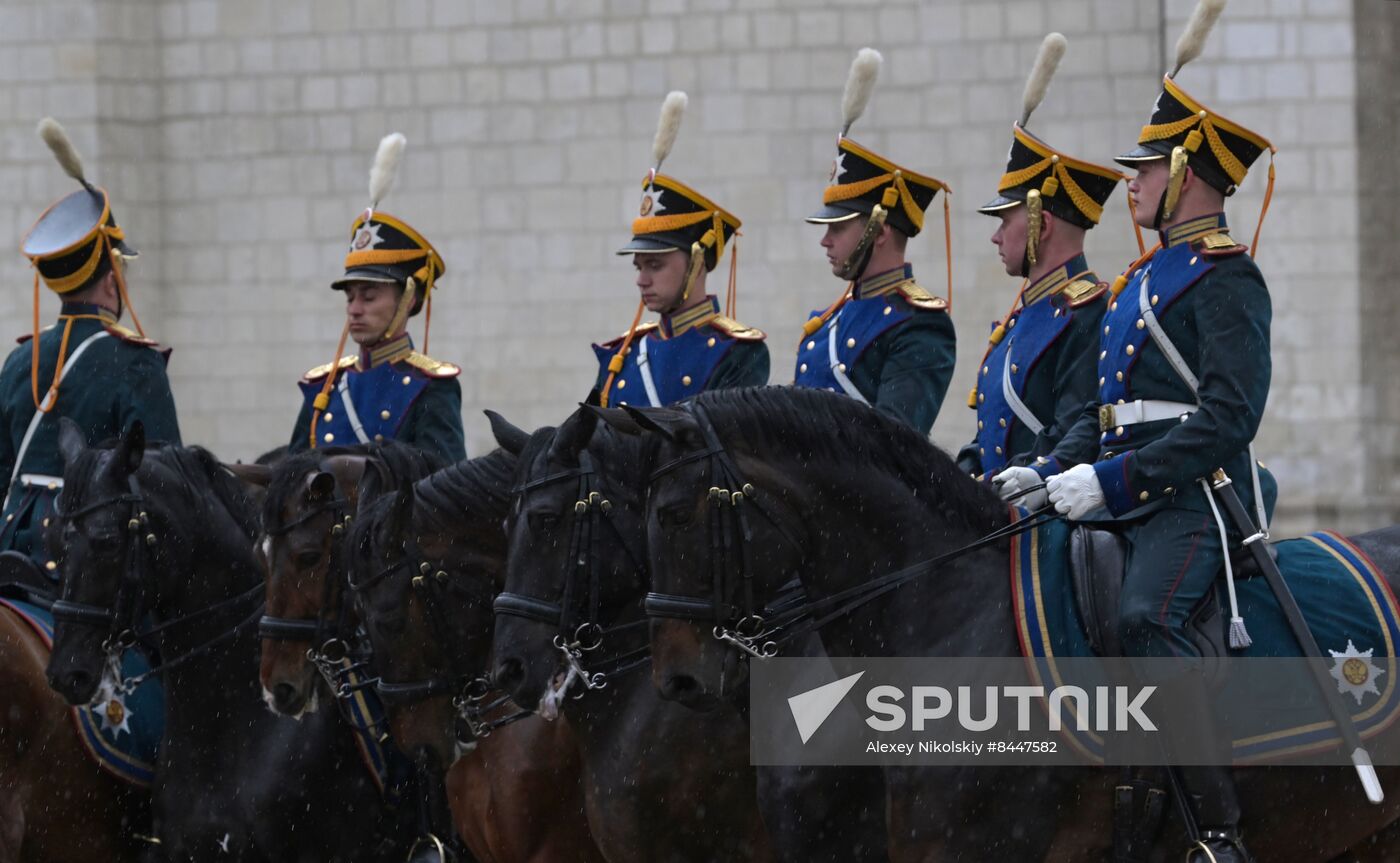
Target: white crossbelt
[[40, 480], [644, 367], [45, 403], [352, 415], [838, 370], [1018, 407]]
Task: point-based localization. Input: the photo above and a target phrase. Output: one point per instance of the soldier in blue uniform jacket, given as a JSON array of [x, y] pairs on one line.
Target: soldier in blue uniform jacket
[[1166, 417], [678, 237], [1039, 368], [388, 390], [89, 369], [886, 341]]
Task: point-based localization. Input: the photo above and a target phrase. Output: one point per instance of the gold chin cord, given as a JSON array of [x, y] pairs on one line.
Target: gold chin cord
[[1034, 220], [855, 262], [1172, 196]]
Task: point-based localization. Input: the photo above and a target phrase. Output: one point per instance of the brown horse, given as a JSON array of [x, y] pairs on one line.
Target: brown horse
[[55, 804], [516, 791]]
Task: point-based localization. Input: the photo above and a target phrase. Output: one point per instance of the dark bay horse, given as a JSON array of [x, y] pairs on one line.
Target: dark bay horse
[[162, 538], [55, 803], [843, 493], [663, 782], [427, 561]]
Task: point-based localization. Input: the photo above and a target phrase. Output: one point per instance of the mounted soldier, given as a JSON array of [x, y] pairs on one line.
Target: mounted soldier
[[886, 341], [678, 238], [85, 367], [1038, 370], [388, 390], [1184, 370]]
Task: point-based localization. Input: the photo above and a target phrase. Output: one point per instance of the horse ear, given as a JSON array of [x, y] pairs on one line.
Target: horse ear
[[511, 438], [71, 440], [373, 481], [252, 474], [617, 418], [595, 398], [132, 448], [401, 512], [574, 434], [676, 426], [321, 485]]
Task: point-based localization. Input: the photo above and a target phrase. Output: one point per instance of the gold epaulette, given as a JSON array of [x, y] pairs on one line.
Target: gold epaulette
[[920, 298], [736, 330], [642, 329], [322, 370], [1082, 291], [1220, 245], [431, 367], [130, 336]]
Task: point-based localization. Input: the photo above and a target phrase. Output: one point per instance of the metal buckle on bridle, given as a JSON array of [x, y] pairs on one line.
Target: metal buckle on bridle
[[572, 653], [749, 636]]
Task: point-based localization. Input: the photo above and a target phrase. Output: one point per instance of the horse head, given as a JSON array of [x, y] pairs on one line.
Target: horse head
[[576, 560], [305, 513], [426, 561], [723, 535], [138, 535]]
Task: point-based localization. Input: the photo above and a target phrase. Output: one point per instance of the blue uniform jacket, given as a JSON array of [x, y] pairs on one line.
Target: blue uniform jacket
[[684, 355], [1046, 357], [893, 341], [389, 392]]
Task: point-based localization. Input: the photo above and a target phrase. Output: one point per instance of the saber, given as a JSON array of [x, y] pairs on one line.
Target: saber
[[1224, 490]]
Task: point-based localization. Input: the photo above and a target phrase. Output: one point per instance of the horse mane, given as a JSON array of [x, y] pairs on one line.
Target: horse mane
[[200, 470], [814, 426], [400, 459], [479, 487]]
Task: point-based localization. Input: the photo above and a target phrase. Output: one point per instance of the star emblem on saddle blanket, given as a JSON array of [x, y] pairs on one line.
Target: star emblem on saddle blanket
[[1354, 672], [110, 706]]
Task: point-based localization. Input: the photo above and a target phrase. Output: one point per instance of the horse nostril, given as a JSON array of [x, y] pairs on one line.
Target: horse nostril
[[678, 686], [284, 695], [75, 683], [510, 673]]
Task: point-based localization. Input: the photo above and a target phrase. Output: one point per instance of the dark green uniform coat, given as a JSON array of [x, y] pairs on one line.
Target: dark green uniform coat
[[119, 378], [1213, 305]]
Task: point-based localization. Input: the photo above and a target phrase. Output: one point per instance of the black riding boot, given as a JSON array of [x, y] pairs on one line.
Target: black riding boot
[[1211, 788]]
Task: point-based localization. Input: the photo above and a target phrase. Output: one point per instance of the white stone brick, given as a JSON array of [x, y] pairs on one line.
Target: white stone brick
[[569, 81]]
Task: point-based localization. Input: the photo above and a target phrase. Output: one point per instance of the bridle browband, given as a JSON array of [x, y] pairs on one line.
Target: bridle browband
[[742, 626], [578, 617]]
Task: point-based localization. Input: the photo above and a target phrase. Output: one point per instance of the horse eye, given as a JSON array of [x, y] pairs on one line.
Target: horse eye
[[543, 520], [308, 559], [676, 516]]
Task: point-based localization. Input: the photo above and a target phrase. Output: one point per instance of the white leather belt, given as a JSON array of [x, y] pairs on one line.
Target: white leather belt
[[35, 480], [1141, 411]]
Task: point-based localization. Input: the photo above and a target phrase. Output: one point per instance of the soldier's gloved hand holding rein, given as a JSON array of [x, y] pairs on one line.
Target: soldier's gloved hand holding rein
[[1076, 492], [1012, 485]]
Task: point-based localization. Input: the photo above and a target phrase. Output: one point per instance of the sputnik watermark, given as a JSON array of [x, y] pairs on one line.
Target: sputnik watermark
[[1116, 708]]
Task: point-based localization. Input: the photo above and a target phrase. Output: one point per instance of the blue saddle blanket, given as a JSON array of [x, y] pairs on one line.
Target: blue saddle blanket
[[1346, 600], [121, 733]]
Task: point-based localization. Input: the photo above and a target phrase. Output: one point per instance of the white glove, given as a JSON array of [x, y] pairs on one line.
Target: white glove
[[1011, 482], [1076, 492]]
